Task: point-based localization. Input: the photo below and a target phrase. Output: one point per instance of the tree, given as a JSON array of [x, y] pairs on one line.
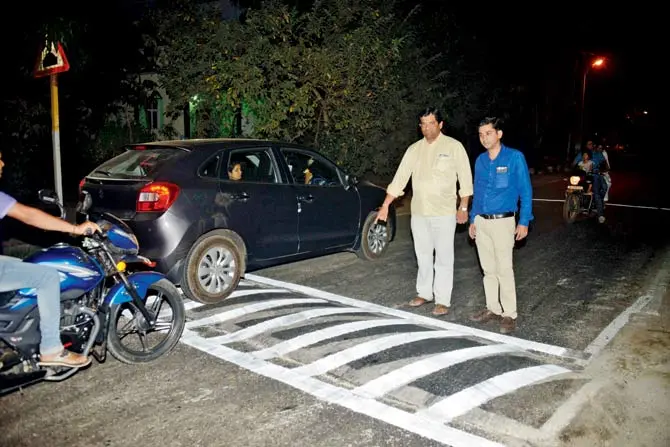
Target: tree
[[345, 76]]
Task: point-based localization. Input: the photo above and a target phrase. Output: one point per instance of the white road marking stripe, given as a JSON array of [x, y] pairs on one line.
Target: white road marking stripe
[[607, 334], [312, 338], [249, 309], [188, 305], [460, 403], [637, 206], [501, 338], [416, 370], [622, 205], [362, 350], [191, 304], [239, 293], [339, 396], [282, 321]]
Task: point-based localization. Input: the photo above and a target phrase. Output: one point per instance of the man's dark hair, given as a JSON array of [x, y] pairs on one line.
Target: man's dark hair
[[431, 111], [493, 121]]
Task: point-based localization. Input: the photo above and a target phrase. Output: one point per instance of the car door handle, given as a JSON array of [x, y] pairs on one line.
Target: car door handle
[[306, 199], [241, 197]]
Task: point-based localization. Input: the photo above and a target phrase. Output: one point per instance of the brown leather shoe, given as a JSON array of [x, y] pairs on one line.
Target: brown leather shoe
[[440, 309], [418, 301], [507, 325], [484, 316]]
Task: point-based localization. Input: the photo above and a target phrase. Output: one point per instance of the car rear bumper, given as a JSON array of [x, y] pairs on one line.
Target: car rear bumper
[[165, 240]]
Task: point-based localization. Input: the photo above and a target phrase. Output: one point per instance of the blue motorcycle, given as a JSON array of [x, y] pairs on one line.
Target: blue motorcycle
[[108, 295]]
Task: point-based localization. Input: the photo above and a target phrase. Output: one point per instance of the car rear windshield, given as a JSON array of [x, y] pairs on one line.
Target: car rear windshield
[[136, 163]]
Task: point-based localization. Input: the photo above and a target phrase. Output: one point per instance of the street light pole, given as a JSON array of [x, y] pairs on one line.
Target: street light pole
[[598, 62]]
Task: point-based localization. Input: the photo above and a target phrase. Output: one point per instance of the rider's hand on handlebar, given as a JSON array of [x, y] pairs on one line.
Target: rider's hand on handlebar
[[87, 228]]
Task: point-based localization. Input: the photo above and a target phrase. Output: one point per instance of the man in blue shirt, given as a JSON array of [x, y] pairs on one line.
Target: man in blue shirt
[[501, 180], [15, 275]]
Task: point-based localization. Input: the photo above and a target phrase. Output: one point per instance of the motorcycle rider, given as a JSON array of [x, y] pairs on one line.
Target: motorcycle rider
[[15, 274], [601, 167]]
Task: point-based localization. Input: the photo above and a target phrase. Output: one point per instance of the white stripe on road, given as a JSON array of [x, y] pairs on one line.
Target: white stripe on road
[[311, 338], [615, 326], [637, 206], [340, 396], [328, 363], [191, 304], [420, 319], [460, 403], [622, 205], [282, 321], [416, 370], [249, 309]]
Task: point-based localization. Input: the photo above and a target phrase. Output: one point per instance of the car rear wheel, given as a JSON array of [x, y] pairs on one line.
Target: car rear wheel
[[213, 267], [375, 239]]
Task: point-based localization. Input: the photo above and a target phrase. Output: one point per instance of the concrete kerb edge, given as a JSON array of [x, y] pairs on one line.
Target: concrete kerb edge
[[659, 287]]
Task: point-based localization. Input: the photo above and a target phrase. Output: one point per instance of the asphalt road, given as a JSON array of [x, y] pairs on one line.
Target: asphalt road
[[325, 352]]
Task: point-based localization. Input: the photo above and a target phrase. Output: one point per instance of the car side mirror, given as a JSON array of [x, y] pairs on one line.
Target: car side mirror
[[352, 180]]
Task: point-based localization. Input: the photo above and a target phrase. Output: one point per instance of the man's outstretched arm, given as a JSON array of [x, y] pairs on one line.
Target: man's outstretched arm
[[45, 221]]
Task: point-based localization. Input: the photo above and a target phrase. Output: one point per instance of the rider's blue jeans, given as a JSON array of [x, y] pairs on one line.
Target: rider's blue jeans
[[15, 274], [599, 190]]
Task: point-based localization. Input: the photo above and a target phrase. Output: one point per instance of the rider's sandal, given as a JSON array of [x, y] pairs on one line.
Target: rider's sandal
[[66, 359]]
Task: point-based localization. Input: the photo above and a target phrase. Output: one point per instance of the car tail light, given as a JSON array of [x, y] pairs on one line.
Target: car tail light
[[157, 196]]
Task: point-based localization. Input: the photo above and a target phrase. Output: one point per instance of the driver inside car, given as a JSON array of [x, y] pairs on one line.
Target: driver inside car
[[15, 275]]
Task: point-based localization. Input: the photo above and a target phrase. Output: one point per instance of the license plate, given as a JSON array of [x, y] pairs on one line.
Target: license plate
[[575, 188]]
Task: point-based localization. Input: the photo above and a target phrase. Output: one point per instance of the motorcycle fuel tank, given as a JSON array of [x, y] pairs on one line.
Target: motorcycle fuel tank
[[79, 272]]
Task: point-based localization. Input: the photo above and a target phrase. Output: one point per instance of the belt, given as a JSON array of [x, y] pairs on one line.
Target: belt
[[498, 216]]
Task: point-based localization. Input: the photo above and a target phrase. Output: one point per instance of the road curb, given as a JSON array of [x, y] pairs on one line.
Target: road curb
[[659, 287]]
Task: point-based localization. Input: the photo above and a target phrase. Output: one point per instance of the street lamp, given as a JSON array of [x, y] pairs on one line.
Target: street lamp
[[595, 63]]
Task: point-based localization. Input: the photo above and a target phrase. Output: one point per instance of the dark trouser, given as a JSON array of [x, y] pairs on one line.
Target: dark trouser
[[599, 190]]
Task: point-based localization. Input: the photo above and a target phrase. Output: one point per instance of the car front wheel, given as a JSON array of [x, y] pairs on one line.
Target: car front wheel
[[375, 238]]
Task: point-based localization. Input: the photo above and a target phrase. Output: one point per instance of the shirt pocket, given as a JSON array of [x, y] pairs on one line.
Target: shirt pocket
[[443, 165], [502, 179]]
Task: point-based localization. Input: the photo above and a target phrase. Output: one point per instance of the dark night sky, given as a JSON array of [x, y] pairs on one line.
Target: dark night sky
[[533, 45]]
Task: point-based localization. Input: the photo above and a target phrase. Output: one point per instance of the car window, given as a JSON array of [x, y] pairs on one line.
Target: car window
[[309, 169], [250, 165], [210, 167], [137, 163]]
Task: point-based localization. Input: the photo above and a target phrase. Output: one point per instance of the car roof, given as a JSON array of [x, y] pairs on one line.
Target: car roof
[[214, 143]]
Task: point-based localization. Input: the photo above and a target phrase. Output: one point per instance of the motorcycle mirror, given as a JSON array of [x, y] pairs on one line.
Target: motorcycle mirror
[[85, 203], [48, 196]]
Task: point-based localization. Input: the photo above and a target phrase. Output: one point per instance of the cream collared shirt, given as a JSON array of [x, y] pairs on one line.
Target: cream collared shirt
[[434, 169]]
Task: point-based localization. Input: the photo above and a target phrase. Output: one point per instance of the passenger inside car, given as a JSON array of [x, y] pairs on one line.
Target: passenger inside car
[[235, 171]]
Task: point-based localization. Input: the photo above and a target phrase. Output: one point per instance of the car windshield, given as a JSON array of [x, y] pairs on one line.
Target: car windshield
[[136, 163]]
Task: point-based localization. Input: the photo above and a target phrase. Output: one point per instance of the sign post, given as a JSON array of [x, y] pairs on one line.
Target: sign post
[[50, 62]]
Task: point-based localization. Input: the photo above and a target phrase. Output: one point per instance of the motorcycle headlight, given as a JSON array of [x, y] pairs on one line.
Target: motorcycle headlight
[[574, 180]]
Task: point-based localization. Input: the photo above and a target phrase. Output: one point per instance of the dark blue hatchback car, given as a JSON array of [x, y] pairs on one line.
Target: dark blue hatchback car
[[208, 210]]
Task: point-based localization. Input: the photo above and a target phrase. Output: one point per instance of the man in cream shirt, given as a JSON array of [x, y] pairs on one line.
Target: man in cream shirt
[[435, 163]]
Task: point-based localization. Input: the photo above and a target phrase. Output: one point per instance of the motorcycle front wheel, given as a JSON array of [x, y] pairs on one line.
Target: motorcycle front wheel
[[571, 208], [127, 324]]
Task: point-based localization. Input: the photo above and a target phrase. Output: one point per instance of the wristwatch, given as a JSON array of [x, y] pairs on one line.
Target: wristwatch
[[463, 208]]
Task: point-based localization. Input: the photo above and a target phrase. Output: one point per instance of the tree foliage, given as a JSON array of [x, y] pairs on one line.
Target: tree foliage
[[345, 76]]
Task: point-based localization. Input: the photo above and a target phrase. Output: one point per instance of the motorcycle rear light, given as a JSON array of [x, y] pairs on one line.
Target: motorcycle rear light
[[81, 184], [157, 196]]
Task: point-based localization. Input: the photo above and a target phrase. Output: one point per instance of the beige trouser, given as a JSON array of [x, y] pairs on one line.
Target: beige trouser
[[434, 235], [495, 245]]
